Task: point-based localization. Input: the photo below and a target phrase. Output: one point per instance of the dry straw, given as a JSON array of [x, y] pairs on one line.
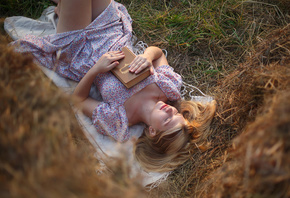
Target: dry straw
[[43, 152], [253, 106]]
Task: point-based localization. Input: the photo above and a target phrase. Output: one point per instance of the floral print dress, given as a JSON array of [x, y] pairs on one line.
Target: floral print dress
[[72, 54]]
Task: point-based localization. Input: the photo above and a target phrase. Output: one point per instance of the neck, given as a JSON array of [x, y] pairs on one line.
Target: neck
[[145, 111], [147, 106], [139, 107]]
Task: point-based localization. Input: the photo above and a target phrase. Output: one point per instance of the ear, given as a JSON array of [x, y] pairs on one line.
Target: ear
[[152, 131]]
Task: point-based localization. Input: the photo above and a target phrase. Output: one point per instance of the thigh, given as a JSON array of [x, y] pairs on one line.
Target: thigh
[[98, 6], [74, 15]]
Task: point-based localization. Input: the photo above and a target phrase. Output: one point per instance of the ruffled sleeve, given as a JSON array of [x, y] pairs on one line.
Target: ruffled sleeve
[[110, 119], [169, 82]]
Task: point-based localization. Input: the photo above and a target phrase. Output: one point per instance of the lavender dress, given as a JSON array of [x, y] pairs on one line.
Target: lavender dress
[[72, 54]]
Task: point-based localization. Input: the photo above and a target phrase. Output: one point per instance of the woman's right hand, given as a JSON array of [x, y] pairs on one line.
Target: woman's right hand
[[107, 61]]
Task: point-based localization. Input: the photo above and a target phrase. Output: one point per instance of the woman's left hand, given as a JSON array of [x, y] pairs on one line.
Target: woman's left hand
[[140, 63]]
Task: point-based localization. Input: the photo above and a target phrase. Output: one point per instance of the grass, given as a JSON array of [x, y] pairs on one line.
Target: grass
[[28, 8], [205, 39], [209, 43]]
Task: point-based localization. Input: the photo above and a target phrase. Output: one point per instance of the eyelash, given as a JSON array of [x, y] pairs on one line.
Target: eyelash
[[169, 117]]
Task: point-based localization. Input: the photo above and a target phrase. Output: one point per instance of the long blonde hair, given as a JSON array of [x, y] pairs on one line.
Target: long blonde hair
[[168, 149]]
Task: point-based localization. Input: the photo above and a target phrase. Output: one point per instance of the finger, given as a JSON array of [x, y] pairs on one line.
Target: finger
[[136, 59], [116, 57], [113, 65], [151, 70], [136, 65], [142, 67], [115, 53], [133, 64]]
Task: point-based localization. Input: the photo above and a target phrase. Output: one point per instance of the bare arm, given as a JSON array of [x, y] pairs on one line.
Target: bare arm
[[107, 62], [153, 56]]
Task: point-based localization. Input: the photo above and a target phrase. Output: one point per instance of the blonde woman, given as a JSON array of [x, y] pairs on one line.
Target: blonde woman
[[90, 34], [168, 138]]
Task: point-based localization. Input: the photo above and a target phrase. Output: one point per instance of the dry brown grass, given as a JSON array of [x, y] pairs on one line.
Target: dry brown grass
[[258, 163], [43, 152], [242, 96]]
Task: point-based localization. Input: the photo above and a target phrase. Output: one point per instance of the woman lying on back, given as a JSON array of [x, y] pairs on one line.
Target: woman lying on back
[[90, 34], [170, 134]]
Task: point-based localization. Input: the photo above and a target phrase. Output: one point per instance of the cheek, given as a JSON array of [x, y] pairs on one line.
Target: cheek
[[157, 119], [161, 116]]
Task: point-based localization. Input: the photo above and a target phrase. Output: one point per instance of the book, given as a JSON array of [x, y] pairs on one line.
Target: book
[[122, 72]]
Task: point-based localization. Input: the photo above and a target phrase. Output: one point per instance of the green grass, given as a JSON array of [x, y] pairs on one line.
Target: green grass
[[205, 40], [218, 33], [28, 8]]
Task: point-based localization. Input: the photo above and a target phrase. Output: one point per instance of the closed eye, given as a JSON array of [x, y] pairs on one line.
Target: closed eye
[[167, 119]]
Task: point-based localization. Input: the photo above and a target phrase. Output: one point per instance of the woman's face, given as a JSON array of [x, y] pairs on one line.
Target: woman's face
[[164, 117]]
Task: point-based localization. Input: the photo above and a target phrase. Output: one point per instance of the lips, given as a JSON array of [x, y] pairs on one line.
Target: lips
[[163, 106]]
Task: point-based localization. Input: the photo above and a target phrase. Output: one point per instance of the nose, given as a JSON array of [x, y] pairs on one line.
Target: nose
[[169, 110]]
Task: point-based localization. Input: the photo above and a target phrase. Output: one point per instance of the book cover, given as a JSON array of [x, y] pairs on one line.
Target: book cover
[[122, 72]]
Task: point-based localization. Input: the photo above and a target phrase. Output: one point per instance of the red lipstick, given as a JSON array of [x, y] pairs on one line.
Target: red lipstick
[[163, 106]]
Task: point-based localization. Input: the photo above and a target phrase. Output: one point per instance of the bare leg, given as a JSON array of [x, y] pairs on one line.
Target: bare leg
[[98, 7], [74, 15], [77, 14], [56, 8]]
